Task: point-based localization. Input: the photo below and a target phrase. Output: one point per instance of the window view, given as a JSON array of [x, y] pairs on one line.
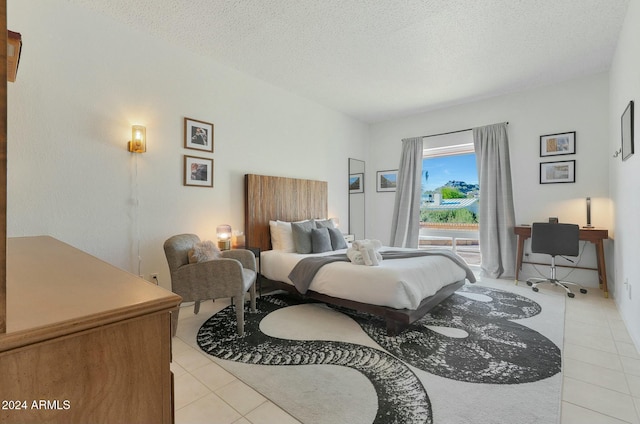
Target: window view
[[450, 200]]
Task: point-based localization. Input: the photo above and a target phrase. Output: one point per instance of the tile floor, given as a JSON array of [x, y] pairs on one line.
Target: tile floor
[[601, 371]]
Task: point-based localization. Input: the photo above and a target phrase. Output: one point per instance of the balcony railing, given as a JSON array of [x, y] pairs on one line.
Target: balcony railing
[[463, 238]]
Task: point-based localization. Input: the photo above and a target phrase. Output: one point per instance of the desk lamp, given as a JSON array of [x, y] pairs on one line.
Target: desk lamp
[[588, 213]]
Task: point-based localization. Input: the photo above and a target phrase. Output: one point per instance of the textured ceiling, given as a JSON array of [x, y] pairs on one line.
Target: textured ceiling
[[381, 59]]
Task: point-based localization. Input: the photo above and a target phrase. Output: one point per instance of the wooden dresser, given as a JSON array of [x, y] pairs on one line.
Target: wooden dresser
[[86, 342]]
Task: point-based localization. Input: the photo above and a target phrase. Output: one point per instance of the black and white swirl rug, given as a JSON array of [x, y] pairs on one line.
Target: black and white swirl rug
[[484, 355]]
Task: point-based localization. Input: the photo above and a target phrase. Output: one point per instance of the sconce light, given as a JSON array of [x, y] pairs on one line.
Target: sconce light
[[224, 236], [138, 143], [588, 213]]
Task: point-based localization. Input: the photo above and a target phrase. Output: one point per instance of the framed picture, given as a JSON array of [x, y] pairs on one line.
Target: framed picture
[[627, 131], [198, 135], [387, 180], [558, 172], [356, 183], [558, 144], [198, 171]]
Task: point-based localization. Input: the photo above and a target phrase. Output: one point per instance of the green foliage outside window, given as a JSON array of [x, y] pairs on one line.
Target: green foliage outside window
[[464, 216], [452, 193]]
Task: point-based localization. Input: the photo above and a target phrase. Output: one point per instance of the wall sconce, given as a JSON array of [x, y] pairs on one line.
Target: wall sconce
[[224, 236], [138, 143]]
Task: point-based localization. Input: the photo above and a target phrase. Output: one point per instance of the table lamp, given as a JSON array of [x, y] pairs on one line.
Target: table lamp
[[224, 236], [588, 213]]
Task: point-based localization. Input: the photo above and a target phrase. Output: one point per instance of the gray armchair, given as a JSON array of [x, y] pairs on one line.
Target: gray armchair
[[230, 276]]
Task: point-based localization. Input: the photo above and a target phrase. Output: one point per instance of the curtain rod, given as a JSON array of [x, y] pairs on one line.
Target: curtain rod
[[450, 132]]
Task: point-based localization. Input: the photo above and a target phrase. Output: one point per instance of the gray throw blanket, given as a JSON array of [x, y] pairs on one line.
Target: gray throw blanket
[[302, 274]]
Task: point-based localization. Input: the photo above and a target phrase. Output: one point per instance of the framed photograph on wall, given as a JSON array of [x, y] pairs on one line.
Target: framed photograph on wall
[[627, 131], [387, 180], [356, 183], [198, 171], [558, 172], [198, 135], [558, 144]]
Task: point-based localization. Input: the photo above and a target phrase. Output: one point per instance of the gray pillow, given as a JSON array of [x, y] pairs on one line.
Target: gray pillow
[[301, 232], [324, 223], [337, 239], [320, 240]]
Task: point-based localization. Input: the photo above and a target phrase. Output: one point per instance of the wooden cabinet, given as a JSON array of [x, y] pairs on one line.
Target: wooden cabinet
[[85, 341]]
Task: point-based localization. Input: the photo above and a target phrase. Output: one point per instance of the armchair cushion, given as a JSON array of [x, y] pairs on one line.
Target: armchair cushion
[[204, 251]]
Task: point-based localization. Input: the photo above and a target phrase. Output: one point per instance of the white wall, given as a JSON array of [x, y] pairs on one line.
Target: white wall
[[624, 176], [579, 105], [85, 79]]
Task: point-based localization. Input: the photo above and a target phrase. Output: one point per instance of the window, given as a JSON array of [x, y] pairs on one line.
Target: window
[[450, 194]]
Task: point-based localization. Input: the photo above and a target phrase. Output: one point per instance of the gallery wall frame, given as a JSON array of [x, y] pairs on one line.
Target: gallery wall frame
[[198, 135], [387, 180], [626, 122], [558, 172], [558, 144], [198, 171]]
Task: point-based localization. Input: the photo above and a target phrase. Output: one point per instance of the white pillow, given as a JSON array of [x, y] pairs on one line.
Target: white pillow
[[275, 236], [281, 236]]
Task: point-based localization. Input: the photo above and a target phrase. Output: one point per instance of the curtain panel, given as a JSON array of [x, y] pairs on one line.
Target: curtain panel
[[497, 216], [405, 226]]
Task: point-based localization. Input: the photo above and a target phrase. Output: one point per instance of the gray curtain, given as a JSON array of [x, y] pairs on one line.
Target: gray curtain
[[497, 216], [406, 211]]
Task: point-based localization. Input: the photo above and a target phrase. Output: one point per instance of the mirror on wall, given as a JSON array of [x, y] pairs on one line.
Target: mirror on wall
[[356, 198]]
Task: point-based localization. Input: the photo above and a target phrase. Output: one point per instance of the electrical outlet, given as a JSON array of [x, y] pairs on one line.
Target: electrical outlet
[[154, 277]]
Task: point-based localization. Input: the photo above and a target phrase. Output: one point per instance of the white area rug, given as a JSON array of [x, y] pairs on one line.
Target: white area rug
[[485, 356]]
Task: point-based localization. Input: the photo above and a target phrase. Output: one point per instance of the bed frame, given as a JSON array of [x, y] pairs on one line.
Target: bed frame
[[291, 199]]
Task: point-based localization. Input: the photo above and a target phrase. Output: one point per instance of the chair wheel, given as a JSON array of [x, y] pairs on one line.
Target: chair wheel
[[535, 289], [583, 291], [571, 295], [529, 283]]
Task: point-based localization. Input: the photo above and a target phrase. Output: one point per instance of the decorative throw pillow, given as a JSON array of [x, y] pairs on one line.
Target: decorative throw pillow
[[281, 236], [204, 251], [275, 235], [325, 223], [337, 239], [286, 237], [302, 235], [320, 240]]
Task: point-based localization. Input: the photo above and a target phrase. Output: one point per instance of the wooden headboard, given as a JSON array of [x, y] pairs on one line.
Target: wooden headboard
[[279, 198]]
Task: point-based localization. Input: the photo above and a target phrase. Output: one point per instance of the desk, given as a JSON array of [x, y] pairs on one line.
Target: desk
[[593, 235]]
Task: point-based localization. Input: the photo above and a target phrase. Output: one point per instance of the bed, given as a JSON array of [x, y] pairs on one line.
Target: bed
[[399, 290]]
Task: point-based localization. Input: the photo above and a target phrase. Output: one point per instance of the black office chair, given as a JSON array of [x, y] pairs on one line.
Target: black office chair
[[555, 240]]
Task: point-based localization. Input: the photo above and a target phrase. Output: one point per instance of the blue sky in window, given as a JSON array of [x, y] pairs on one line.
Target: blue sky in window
[[446, 168]]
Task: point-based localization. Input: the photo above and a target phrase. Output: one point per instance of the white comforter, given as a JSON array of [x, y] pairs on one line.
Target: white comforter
[[397, 283]]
